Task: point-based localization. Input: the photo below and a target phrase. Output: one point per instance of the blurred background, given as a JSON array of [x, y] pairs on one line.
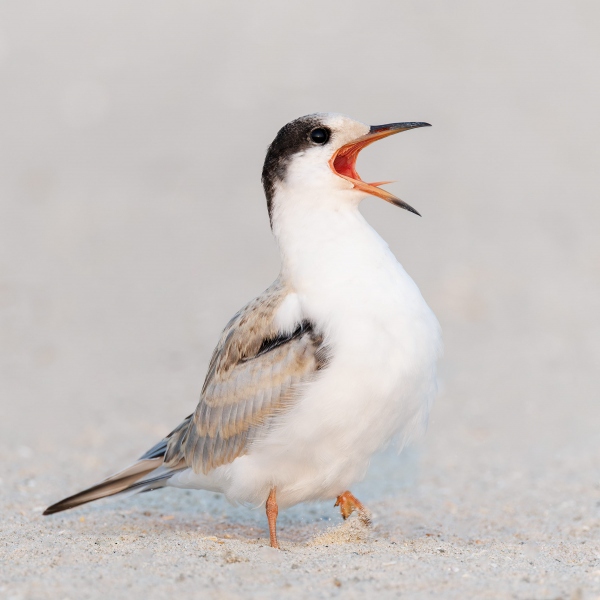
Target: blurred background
[[133, 223]]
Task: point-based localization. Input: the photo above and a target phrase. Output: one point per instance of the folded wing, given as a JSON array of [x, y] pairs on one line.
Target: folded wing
[[255, 374]]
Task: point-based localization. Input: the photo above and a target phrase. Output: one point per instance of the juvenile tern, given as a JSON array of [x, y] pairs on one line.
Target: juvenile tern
[[323, 369]]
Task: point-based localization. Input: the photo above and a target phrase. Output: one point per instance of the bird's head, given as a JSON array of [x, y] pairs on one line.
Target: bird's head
[[315, 156]]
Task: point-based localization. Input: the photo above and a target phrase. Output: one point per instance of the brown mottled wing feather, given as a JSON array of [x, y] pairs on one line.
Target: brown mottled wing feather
[[253, 376]]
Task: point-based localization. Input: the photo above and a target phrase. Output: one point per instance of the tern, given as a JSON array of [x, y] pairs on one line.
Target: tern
[[314, 376]]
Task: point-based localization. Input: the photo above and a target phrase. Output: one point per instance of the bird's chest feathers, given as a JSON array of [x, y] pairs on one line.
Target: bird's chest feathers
[[350, 285]]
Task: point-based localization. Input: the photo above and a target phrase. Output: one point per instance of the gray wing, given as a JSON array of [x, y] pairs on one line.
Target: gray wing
[[253, 376]]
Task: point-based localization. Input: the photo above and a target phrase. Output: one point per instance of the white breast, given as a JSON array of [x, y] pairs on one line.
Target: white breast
[[384, 343]]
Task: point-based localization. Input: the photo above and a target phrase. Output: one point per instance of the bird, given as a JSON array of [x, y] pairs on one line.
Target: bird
[[327, 366]]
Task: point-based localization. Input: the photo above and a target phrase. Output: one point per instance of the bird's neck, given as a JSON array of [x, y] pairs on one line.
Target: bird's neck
[[326, 243]]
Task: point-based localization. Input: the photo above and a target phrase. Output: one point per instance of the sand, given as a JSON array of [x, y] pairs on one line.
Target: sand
[[132, 226]]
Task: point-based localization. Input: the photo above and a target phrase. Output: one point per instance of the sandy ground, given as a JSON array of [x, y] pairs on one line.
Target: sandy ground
[[132, 226]]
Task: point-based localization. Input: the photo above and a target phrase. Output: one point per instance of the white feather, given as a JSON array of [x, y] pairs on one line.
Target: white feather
[[289, 314]]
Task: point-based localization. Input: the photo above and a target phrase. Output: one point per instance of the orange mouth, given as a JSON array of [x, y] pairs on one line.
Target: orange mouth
[[343, 161]]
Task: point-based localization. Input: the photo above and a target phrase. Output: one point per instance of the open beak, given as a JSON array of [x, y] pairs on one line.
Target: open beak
[[343, 162]]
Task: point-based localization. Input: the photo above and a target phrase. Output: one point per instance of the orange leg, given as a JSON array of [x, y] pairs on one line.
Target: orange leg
[[348, 504], [272, 512]]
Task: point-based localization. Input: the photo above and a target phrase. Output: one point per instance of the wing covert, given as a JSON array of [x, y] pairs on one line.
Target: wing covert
[[253, 376]]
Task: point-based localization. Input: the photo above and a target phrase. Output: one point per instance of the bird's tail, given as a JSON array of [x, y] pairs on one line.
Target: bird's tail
[[149, 473], [143, 476]]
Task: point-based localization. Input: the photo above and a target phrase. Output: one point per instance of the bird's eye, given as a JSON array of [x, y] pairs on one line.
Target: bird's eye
[[319, 135]]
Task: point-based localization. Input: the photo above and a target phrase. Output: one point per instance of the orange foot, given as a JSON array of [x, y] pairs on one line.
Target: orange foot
[[348, 504]]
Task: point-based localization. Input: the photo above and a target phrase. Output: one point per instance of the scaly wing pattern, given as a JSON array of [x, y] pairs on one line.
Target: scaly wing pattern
[[253, 376]]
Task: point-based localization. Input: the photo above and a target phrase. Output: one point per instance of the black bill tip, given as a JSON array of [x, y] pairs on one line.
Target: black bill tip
[[397, 127], [407, 207]]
